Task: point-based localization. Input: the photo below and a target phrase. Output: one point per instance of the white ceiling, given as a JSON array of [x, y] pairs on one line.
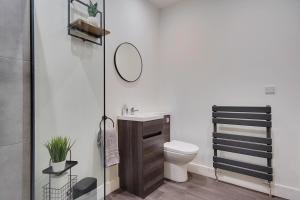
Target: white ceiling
[[163, 3]]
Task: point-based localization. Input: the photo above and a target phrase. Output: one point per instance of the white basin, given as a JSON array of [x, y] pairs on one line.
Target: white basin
[[142, 117]]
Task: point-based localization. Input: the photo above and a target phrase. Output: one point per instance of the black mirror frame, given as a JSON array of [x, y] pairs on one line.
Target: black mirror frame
[[116, 67]]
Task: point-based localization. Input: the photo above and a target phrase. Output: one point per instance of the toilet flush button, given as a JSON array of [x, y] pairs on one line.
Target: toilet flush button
[[168, 120]]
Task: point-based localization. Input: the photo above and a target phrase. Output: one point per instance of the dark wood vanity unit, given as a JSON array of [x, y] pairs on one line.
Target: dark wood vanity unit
[[141, 167]]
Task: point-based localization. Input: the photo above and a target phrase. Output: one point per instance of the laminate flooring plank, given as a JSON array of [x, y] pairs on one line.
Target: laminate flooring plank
[[197, 188]]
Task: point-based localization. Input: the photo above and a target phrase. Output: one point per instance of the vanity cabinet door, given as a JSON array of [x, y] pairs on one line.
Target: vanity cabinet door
[[153, 162]]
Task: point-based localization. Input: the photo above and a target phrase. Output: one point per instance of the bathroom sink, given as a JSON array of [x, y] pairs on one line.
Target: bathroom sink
[[142, 117]]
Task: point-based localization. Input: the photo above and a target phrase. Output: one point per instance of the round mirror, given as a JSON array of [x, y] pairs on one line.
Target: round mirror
[[128, 62]]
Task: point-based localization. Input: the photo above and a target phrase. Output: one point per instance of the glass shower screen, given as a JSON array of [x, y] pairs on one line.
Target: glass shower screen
[[69, 98]]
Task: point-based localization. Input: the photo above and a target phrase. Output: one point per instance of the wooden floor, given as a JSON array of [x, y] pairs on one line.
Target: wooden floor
[[197, 188]]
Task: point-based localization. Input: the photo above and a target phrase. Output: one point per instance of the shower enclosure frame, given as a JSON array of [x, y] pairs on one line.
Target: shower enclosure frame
[[32, 103], [32, 99]]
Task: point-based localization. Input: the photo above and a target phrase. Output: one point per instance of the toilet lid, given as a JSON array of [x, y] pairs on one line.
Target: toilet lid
[[180, 147]]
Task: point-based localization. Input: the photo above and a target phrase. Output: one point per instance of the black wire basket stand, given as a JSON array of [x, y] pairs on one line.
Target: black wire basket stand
[[65, 192]]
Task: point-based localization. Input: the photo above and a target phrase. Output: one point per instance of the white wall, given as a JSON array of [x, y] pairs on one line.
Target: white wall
[[135, 21], [224, 53], [69, 91]]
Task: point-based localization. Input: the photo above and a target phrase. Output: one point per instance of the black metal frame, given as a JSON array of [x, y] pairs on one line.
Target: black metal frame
[[70, 28], [246, 145], [32, 99], [115, 62], [32, 104], [104, 100]]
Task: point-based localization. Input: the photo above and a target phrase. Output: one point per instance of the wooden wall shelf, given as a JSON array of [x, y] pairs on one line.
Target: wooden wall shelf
[[83, 26]]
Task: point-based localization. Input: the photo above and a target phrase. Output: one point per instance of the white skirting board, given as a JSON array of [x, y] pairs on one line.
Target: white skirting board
[[243, 181], [111, 186]]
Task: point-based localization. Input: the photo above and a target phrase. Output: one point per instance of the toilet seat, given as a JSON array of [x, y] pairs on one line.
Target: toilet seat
[[180, 147]]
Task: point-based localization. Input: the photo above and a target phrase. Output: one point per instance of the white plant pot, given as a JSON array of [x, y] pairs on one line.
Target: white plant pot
[[59, 166], [92, 20]]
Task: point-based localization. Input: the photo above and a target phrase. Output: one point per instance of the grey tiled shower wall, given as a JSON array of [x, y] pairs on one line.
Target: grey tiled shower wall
[[15, 100]]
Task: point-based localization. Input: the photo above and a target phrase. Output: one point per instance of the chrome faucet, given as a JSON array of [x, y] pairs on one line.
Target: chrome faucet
[[133, 110]]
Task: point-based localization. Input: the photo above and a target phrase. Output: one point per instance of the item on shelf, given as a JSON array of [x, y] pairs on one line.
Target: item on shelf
[[58, 149], [85, 189], [59, 166], [93, 11]]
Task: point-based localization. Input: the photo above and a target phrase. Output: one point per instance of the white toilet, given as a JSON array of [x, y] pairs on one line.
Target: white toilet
[[177, 156]]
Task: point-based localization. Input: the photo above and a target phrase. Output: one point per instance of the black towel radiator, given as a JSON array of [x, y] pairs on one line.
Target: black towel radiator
[[245, 145]]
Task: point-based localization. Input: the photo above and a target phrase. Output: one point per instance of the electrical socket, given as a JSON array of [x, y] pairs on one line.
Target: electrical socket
[[270, 90]]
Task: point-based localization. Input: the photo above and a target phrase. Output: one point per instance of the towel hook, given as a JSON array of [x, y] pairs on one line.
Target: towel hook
[[104, 118]]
